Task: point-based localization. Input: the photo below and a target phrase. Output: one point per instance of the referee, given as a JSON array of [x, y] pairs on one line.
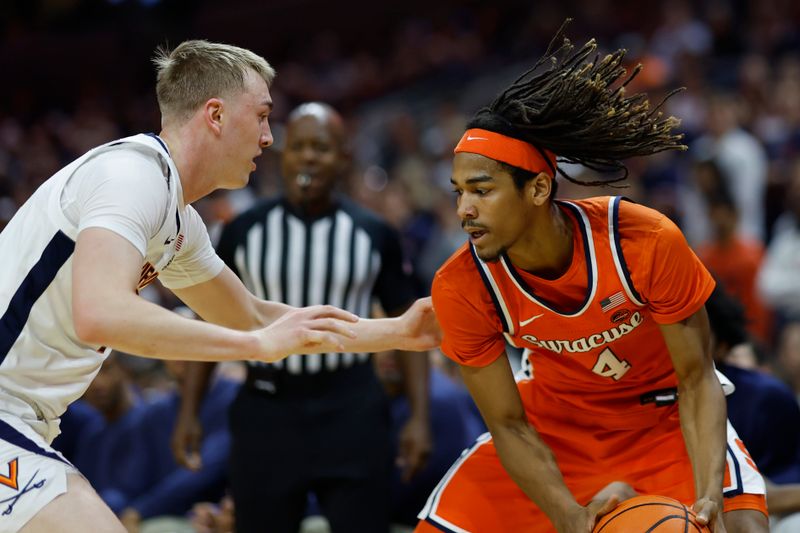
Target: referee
[[316, 423]]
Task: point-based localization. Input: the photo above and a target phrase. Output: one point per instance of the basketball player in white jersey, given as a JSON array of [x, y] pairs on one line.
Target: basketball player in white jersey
[[76, 254]]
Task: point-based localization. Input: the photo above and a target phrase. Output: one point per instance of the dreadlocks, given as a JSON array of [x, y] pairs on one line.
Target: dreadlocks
[[574, 110]]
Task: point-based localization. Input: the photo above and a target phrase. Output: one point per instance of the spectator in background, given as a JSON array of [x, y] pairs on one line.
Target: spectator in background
[[743, 166], [789, 356], [163, 487], [207, 517], [763, 410], [79, 418], [312, 245], [732, 259], [779, 276], [125, 451], [106, 448], [446, 237], [681, 32]]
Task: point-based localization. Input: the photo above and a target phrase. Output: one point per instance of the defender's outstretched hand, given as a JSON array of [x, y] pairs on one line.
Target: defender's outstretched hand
[[314, 329], [421, 327]]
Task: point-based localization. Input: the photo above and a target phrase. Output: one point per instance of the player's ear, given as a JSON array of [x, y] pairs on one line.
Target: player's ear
[[539, 188], [213, 114]]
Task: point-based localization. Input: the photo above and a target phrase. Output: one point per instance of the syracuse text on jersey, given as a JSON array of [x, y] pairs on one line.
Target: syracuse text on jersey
[[585, 344]]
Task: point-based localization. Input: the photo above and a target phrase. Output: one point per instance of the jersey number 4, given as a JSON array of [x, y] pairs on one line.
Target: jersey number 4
[[609, 365]]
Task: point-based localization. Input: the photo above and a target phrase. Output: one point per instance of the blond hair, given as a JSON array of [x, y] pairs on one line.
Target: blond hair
[[198, 70]]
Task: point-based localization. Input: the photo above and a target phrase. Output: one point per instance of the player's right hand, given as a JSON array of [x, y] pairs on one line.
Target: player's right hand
[[306, 330], [709, 512]]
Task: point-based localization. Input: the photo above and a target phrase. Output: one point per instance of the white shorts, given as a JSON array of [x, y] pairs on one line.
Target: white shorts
[[741, 473], [32, 474]]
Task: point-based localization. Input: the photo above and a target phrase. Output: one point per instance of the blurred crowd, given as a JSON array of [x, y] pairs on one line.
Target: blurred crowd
[[408, 91]]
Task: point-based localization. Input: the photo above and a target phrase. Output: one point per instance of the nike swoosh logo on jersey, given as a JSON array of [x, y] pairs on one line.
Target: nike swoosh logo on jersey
[[471, 138], [531, 319]]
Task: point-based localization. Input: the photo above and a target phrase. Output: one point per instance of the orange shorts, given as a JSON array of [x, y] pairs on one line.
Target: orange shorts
[[477, 495]]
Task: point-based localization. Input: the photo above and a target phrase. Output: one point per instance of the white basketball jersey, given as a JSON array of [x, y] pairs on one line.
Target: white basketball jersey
[[43, 365]]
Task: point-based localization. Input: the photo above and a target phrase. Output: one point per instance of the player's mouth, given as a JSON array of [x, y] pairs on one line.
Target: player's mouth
[[475, 234], [253, 161]]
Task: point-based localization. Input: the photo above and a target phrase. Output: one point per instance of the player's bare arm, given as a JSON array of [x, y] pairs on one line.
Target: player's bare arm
[[415, 330], [528, 460], [108, 312], [702, 412], [225, 300]]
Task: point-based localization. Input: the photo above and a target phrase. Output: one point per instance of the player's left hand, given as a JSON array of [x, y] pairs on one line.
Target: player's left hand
[[414, 447], [709, 512], [420, 327]]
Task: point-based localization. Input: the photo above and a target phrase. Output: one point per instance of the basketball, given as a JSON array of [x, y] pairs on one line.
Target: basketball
[[650, 514]]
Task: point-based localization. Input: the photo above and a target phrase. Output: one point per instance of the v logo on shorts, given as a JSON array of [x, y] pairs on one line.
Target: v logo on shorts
[[11, 479]]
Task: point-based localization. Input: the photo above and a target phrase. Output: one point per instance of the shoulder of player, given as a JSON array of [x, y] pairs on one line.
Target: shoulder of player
[[133, 161], [639, 227], [630, 213], [136, 154], [636, 220]]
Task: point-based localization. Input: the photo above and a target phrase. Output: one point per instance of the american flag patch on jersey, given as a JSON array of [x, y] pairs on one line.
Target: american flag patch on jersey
[[179, 243], [612, 301]]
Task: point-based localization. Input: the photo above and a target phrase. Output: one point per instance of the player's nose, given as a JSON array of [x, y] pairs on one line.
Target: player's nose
[[466, 210], [266, 136]]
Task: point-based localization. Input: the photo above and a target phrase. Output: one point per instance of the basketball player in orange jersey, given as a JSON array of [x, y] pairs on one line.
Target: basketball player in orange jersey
[[605, 297]]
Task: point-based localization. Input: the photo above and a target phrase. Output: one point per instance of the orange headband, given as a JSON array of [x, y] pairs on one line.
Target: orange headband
[[508, 150]]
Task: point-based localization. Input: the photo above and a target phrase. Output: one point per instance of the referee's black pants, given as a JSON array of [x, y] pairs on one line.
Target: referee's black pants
[[327, 433]]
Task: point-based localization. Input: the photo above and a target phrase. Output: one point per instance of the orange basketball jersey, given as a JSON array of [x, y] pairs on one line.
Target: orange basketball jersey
[[591, 335]]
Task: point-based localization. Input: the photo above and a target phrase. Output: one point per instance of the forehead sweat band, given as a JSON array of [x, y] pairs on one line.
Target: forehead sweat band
[[507, 150]]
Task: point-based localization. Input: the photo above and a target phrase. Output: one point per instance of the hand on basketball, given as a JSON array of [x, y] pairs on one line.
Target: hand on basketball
[[608, 498], [314, 329], [420, 327], [649, 512], [594, 510], [709, 513], [620, 489]]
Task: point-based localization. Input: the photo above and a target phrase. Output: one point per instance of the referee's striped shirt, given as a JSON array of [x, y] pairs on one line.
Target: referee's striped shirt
[[345, 257]]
